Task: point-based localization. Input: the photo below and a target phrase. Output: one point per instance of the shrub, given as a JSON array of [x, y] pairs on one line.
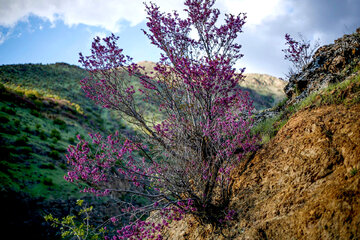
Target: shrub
[[299, 53], [35, 113], [78, 226], [38, 103], [47, 181], [59, 122], [47, 166], [17, 123], [63, 166], [25, 150], [21, 141], [55, 134], [71, 140], [353, 171], [206, 124], [4, 119], [8, 110], [54, 154], [42, 135]]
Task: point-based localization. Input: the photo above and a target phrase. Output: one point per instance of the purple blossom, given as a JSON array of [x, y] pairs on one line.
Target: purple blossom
[[179, 161]]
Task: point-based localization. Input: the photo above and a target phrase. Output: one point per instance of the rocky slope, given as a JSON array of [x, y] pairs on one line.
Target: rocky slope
[[331, 63], [305, 182]]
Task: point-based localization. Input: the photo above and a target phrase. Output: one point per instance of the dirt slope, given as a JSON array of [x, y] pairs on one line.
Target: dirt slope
[[301, 185]]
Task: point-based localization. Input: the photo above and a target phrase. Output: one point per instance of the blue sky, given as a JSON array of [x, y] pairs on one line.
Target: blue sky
[[40, 41], [39, 31]]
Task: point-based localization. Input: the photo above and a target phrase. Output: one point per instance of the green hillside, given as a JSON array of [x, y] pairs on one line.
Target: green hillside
[[42, 109]]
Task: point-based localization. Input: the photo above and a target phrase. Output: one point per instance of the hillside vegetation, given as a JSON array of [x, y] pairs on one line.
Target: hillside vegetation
[[42, 109]]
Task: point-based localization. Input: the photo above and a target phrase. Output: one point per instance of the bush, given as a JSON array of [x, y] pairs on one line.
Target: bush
[[47, 166], [55, 134], [42, 135], [205, 127], [71, 140], [35, 113], [59, 122], [78, 226], [54, 154], [8, 110], [299, 53], [17, 123], [21, 141], [25, 150], [63, 166], [47, 181], [4, 119], [38, 103]]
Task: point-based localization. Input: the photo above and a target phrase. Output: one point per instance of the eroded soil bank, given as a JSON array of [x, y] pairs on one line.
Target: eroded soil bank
[[304, 184]]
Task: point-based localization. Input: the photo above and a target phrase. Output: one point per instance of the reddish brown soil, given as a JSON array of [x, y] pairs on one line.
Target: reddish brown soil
[[301, 185]]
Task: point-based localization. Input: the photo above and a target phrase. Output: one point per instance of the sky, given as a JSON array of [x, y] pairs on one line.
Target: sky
[[49, 31]]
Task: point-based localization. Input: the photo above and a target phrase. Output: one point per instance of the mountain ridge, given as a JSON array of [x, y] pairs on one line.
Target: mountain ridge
[[264, 89]]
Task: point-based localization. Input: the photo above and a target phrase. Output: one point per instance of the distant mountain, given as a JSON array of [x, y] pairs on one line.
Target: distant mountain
[[265, 84], [264, 89]]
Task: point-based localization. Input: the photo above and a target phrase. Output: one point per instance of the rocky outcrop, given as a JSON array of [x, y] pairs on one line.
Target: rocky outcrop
[[331, 63]]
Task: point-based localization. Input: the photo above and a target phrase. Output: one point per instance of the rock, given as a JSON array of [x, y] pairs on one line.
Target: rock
[[337, 64], [331, 63], [260, 116]]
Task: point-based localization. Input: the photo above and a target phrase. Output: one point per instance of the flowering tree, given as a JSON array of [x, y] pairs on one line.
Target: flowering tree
[[299, 53], [181, 162]]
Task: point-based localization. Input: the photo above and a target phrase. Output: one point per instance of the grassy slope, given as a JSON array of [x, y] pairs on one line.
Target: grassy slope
[[337, 93], [34, 96], [38, 121]]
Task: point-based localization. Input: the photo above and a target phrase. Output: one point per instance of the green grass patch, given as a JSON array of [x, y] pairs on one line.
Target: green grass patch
[[346, 92], [337, 93], [266, 129]]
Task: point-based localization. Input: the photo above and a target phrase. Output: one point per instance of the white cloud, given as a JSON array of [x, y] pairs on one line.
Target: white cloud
[[110, 13], [256, 10], [106, 14], [2, 38], [6, 35]]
